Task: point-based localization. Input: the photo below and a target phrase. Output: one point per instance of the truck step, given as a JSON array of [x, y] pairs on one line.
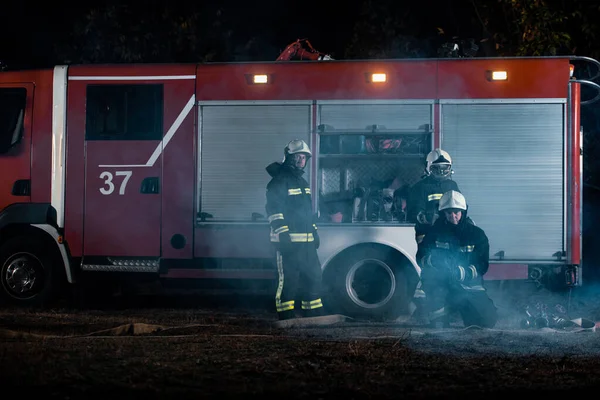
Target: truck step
[[124, 265]]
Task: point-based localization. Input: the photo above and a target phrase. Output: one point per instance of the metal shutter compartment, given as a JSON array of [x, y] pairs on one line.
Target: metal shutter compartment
[[508, 160], [359, 116], [237, 143]]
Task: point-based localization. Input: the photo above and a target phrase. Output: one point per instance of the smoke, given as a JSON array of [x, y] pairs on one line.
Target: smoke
[[511, 298]]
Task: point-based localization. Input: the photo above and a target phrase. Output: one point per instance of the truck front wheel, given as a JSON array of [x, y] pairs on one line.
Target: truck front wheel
[[370, 282], [27, 272]]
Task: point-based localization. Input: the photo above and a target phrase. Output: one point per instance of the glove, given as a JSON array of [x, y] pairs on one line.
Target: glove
[[439, 260], [285, 238], [462, 274], [285, 242], [422, 218], [434, 272], [317, 239]]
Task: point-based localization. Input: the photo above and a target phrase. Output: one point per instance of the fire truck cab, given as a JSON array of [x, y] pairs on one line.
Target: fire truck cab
[[158, 171]]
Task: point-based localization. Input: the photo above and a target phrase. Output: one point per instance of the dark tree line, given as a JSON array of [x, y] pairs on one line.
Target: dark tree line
[[103, 31], [499, 27], [381, 29]]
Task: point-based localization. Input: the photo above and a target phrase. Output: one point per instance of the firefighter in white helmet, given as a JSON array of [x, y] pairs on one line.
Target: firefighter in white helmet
[[424, 196], [454, 256], [294, 234]]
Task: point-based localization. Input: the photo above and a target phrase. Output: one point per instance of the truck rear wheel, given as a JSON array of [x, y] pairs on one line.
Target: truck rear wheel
[[370, 282], [28, 272]]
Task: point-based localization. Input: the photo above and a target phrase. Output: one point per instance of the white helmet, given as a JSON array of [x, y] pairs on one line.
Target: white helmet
[[453, 199], [442, 163], [296, 146]]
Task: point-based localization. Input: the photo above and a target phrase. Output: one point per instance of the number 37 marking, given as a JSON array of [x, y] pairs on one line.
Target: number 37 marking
[[108, 181]]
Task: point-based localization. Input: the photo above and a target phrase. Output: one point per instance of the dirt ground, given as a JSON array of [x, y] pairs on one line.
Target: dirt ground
[[173, 348]]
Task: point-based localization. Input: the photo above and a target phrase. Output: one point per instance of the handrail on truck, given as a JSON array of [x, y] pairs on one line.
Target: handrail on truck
[[589, 81]]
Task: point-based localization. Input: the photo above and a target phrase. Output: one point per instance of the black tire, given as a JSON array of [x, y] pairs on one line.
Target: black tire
[[29, 272], [370, 282]]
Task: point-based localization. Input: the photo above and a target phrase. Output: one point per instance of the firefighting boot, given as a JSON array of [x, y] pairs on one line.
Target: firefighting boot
[[439, 319], [440, 323], [418, 311], [315, 312]]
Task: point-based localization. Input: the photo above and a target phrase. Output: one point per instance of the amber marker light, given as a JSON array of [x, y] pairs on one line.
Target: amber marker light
[[496, 75]]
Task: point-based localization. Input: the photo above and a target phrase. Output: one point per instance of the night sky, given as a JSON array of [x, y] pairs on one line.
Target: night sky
[[29, 31]]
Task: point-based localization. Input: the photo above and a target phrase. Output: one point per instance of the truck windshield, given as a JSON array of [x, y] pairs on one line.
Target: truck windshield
[[12, 111]]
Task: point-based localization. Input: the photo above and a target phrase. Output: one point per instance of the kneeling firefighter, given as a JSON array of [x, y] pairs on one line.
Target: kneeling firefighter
[[454, 256], [294, 234]]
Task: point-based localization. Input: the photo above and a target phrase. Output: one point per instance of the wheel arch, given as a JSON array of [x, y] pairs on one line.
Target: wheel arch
[[38, 219], [328, 265], [341, 252]]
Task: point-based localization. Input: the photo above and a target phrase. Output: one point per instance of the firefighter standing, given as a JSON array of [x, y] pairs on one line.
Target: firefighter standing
[[294, 234], [454, 256], [424, 196]]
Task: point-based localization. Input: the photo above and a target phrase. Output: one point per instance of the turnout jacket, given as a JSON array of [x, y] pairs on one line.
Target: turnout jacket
[[425, 196], [461, 249], [289, 205]]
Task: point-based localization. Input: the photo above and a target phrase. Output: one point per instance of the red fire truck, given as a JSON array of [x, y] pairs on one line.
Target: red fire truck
[[158, 171]]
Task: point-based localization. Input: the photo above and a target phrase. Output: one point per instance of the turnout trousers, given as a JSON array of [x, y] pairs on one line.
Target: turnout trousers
[[299, 281], [470, 301]]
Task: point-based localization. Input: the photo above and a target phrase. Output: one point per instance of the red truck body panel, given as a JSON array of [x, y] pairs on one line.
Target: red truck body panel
[[31, 157], [137, 221], [407, 79]]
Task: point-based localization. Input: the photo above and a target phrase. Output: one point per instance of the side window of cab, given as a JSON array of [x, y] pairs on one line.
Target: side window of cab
[[124, 112], [12, 115]]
